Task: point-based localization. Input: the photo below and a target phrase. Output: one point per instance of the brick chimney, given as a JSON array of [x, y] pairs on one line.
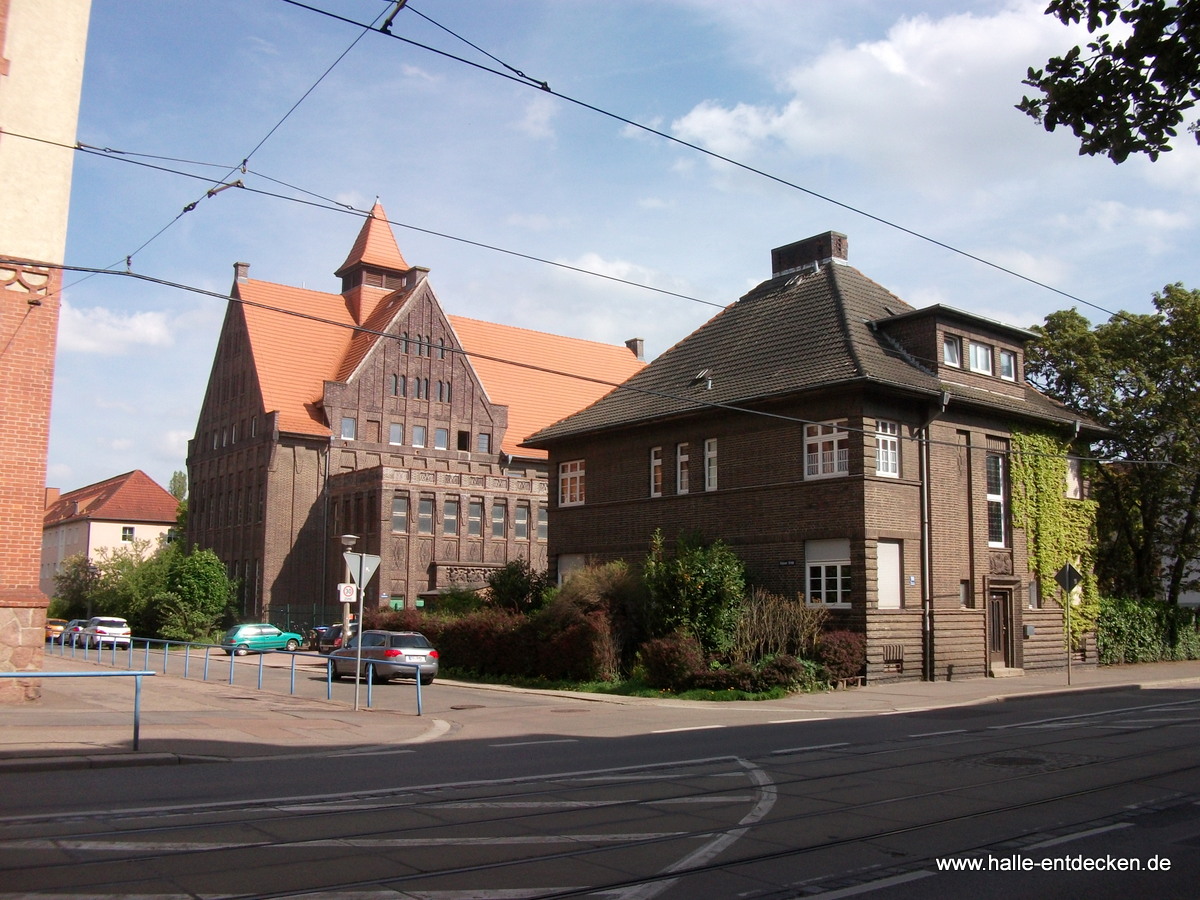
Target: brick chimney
[[809, 253], [241, 271], [637, 346]]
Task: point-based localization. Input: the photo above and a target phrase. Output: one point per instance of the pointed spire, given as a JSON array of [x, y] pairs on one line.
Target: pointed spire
[[375, 246]]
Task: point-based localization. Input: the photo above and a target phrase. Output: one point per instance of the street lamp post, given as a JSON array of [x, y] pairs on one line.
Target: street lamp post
[[348, 542]]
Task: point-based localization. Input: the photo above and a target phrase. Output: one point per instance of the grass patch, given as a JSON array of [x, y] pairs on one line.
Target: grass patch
[[630, 688]]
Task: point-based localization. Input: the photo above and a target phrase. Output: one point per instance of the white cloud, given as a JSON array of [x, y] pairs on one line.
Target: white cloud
[[108, 333], [539, 114], [933, 101]]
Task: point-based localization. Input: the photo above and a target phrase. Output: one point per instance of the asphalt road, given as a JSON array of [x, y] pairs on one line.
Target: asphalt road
[[880, 806]]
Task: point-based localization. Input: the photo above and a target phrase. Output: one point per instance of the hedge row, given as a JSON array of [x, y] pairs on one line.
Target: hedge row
[[1137, 631]]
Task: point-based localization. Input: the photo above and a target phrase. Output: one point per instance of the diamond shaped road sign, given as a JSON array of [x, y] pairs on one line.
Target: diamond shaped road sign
[[1068, 577], [362, 566]]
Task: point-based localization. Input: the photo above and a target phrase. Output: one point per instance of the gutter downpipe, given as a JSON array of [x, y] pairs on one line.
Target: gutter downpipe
[[926, 548]]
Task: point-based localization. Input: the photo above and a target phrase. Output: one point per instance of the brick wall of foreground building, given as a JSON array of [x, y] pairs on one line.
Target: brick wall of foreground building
[[29, 307]]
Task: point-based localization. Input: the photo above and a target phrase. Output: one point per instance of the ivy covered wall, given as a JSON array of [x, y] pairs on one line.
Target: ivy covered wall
[[1058, 529]]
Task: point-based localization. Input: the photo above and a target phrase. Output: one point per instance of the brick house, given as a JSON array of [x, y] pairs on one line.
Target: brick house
[[371, 412], [105, 515], [850, 448], [41, 70]]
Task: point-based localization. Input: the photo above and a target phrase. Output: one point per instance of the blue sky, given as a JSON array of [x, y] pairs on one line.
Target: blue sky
[[899, 110]]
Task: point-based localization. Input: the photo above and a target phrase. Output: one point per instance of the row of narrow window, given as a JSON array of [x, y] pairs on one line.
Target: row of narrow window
[[453, 524], [229, 434], [226, 508], [422, 345], [399, 386], [418, 436]]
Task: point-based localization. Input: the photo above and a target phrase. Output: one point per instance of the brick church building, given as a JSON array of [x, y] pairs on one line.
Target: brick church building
[[372, 412]]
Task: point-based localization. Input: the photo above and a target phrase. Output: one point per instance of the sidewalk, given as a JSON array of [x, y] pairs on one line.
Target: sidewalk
[[88, 722]]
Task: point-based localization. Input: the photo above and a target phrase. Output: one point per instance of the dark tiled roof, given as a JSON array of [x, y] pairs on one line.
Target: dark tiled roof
[[791, 334]]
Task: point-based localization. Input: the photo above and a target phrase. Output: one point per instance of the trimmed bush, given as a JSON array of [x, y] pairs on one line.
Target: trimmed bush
[[672, 663], [843, 654]]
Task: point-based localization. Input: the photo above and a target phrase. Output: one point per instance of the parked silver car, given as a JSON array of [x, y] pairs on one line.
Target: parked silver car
[[388, 654], [101, 630]]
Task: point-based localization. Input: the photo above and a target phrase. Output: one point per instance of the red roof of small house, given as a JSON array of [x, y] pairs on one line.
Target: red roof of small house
[[132, 497]]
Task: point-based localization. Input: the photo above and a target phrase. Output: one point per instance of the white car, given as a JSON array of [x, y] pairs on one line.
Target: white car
[[101, 630]]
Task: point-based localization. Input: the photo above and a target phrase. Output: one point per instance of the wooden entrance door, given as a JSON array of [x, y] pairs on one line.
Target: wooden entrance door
[[999, 618]]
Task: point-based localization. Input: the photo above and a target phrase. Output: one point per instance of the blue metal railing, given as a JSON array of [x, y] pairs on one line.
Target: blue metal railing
[[102, 652], [137, 690]]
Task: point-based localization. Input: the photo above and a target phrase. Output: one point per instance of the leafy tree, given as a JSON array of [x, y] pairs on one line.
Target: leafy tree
[[699, 590], [179, 490], [74, 585], [197, 598], [1122, 96], [518, 587], [1137, 375]]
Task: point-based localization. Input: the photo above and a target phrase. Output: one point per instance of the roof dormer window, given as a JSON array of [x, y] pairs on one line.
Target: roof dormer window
[[952, 351], [981, 358]]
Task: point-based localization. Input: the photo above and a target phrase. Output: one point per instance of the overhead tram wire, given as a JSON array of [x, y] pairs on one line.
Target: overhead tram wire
[[525, 80], [327, 203], [221, 183], [621, 386]]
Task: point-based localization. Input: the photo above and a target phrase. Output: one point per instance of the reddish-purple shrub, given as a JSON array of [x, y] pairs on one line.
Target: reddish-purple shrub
[[843, 654], [673, 662]]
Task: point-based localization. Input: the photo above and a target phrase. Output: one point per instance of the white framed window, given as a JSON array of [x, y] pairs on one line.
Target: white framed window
[[475, 517], [952, 351], [1008, 365], [441, 439], [450, 517], [543, 523], [710, 464], [425, 515], [826, 449], [656, 474], [400, 513], [981, 358], [887, 449], [997, 512], [418, 436], [681, 468], [571, 483], [483, 442], [396, 433], [828, 568], [349, 428], [499, 519], [127, 532], [521, 521]]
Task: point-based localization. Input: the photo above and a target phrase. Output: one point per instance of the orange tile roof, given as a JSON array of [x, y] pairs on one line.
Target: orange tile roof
[[132, 497], [536, 395], [375, 245], [295, 355]]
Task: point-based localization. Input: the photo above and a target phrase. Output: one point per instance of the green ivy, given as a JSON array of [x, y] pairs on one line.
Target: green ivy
[[1058, 530]]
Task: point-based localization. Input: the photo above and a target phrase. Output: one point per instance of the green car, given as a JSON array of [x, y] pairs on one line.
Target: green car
[[241, 639]]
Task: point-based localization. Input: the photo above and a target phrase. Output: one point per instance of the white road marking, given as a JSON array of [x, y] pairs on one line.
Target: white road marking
[[807, 749]]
